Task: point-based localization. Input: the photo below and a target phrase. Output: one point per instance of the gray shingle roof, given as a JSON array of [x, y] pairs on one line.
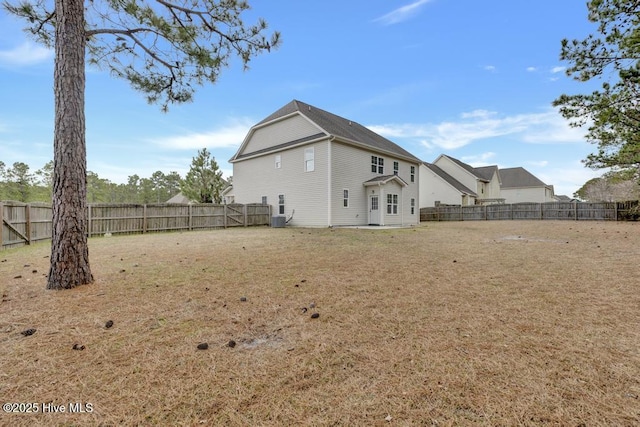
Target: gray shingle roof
[[519, 177], [449, 179], [486, 172], [341, 128], [473, 171]]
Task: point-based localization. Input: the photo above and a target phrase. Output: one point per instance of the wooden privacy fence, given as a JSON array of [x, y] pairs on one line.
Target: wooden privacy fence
[[24, 223], [605, 211]]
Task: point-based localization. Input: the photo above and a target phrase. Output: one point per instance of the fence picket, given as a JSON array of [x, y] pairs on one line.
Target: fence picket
[[22, 223], [601, 211]]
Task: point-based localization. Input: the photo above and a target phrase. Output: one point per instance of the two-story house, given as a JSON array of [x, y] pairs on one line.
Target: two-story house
[[451, 181], [322, 170]]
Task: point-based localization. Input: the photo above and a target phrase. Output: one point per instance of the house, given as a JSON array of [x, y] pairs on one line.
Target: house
[[438, 187], [450, 181], [520, 185], [322, 170]]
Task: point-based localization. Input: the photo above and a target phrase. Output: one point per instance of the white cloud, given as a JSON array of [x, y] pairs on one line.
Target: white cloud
[[27, 53], [490, 68], [228, 136], [402, 13], [547, 127], [532, 69], [539, 164], [480, 159], [556, 70]]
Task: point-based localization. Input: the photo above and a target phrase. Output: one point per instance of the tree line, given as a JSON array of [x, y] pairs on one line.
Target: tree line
[[203, 183]]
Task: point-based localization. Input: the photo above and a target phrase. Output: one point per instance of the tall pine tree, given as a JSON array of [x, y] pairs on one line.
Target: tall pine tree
[[162, 47]]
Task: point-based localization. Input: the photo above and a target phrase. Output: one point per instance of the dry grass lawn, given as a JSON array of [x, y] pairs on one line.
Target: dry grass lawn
[[460, 323]]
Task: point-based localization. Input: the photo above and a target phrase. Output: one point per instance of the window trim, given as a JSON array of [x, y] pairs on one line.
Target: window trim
[[309, 159], [278, 161], [281, 204], [392, 204], [377, 164], [413, 174], [345, 198], [396, 167]]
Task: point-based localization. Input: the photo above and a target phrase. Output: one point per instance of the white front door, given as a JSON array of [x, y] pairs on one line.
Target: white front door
[[374, 210]]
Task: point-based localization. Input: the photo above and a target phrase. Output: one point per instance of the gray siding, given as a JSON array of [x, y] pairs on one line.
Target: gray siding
[[286, 130], [351, 167], [305, 192]]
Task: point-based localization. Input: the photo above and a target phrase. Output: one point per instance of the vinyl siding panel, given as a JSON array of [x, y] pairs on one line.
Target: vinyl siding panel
[[463, 176], [305, 192], [351, 167], [287, 130], [520, 195], [435, 189]]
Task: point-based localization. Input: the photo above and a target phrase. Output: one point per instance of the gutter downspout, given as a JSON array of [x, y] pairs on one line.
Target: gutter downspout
[[329, 183]]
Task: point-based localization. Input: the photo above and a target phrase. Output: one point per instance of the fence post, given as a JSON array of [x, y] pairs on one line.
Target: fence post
[[244, 212], [1, 225], [575, 211], [541, 217], [144, 218], [486, 217], [190, 216], [224, 217], [461, 213], [27, 225], [615, 210], [89, 214]]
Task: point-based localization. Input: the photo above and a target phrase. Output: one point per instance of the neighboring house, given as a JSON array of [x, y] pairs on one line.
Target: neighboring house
[[520, 185], [467, 185], [438, 187], [180, 199], [322, 170]]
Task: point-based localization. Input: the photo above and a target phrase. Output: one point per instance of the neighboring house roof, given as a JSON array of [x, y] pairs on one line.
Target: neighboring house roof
[[179, 198], [334, 126], [480, 173], [449, 179], [486, 172], [519, 178]]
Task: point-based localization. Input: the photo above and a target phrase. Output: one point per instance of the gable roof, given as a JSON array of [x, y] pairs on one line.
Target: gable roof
[[449, 179], [486, 172], [519, 177], [341, 129], [483, 173], [383, 179]]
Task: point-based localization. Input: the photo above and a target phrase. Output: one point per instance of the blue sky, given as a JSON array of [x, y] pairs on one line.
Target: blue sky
[[471, 79]]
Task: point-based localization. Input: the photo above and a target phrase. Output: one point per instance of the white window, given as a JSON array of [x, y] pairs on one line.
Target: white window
[[264, 200], [377, 164], [413, 206], [345, 198], [281, 204], [392, 204], [278, 161], [309, 165], [396, 168], [413, 174]]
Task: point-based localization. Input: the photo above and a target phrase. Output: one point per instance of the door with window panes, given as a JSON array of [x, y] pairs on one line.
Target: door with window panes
[[374, 210]]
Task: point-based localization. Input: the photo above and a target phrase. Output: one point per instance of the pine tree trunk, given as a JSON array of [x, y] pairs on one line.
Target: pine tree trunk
[[69, 250]]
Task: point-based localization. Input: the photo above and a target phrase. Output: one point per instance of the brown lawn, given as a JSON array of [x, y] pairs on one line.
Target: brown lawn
[[460, 323]]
